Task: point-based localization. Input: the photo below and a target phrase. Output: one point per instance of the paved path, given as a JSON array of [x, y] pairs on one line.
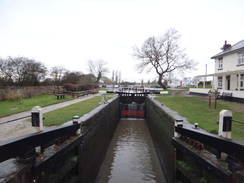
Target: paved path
[[23, 126]]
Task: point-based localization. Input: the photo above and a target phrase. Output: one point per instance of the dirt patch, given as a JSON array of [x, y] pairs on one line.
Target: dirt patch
[[237, 107], [181, 93]]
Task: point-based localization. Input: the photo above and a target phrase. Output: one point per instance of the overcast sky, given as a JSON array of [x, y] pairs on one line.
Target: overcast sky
[[70, 32]]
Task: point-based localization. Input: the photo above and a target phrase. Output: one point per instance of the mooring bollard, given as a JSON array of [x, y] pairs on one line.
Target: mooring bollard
[[76, 120], [37, 118], [196, 125], [178, 123], [225, 120]]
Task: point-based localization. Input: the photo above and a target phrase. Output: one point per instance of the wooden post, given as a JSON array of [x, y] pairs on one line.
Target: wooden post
[[215, 101], [209, 100]]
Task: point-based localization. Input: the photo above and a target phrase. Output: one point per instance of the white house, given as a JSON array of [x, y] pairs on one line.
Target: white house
[[229, 72]]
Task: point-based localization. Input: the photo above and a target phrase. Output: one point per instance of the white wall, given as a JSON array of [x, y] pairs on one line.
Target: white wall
[[237, 94], [229, 63]]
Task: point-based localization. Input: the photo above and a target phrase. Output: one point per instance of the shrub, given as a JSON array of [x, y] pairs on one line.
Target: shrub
[[70, 87], [12, 95], [80, 87]]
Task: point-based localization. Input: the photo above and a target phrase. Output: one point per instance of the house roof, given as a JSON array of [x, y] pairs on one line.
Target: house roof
[[223, 73], [233, 48]]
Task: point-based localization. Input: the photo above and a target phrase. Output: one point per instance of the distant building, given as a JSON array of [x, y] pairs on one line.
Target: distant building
[[229, 71]]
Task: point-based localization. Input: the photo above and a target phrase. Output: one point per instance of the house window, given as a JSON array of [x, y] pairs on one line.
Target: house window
[[241, 58], [220, 63], [220, 82], [241, 82]]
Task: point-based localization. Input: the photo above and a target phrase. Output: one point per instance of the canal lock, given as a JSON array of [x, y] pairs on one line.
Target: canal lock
[[131, 156]]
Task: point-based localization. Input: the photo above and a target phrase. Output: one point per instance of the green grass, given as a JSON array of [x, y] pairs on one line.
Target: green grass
[[66, 114], [103, 89], [112, 94], [200, 86], [197, 110], [12, 107], [170, 91]]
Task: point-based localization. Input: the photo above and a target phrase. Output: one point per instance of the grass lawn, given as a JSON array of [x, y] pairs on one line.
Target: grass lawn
[[103, 89], [66, 114], [12, 107], [169, 92], [196, 110]]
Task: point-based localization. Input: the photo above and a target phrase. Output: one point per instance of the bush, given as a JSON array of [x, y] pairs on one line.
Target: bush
[[12, 95], [70, 87], [80, 87]]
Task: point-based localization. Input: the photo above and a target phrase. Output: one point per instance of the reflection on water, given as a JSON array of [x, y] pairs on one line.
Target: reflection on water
[[131, 156]]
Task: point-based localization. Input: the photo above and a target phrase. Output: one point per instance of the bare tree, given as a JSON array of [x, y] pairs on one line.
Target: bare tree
[[116, 77], [57, 73], [106, 80], [22, 71], [72, 77], [142, 82], [87, 79], [113, 76], [119, 77], [163, 54], [98, 68]]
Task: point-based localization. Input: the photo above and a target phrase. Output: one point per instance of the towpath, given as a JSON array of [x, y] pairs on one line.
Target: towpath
[[23, 126]]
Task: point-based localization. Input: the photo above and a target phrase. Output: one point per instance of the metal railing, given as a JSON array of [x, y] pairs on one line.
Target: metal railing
[[13, 120], [241, 122]]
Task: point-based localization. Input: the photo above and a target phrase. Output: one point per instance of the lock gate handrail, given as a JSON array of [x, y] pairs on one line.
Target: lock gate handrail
[[228, 146], [17, 147], [16, 119], [241, 122]]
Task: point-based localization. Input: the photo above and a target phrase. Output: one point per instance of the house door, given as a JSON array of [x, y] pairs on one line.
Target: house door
[[228, 82]]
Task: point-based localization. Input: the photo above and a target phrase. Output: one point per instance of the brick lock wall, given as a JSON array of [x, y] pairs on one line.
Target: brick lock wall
[[161, 126]]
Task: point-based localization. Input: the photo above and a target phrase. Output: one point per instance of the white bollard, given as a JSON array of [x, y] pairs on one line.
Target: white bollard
[[225, 120], [37, 118], [196, 125], [76, 120], [178, 123]]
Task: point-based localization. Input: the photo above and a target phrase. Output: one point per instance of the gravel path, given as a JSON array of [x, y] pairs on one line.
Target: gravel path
[[23, 126]]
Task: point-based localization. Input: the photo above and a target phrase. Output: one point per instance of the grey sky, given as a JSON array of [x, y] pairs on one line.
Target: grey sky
[[70, 32]]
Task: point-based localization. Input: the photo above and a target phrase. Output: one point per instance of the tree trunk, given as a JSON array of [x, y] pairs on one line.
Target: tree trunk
[[160, 78], [99, 77]]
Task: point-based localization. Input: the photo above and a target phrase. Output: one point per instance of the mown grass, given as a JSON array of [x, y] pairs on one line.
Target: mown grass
[[103, 89], [12, 107], [170, 91], [197, 110], [66, 114]]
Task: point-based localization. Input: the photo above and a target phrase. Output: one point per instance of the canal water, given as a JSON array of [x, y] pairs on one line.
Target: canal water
[[131, 157]]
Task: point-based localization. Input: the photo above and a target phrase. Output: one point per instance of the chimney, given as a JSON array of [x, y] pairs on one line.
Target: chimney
[[226, 46]]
